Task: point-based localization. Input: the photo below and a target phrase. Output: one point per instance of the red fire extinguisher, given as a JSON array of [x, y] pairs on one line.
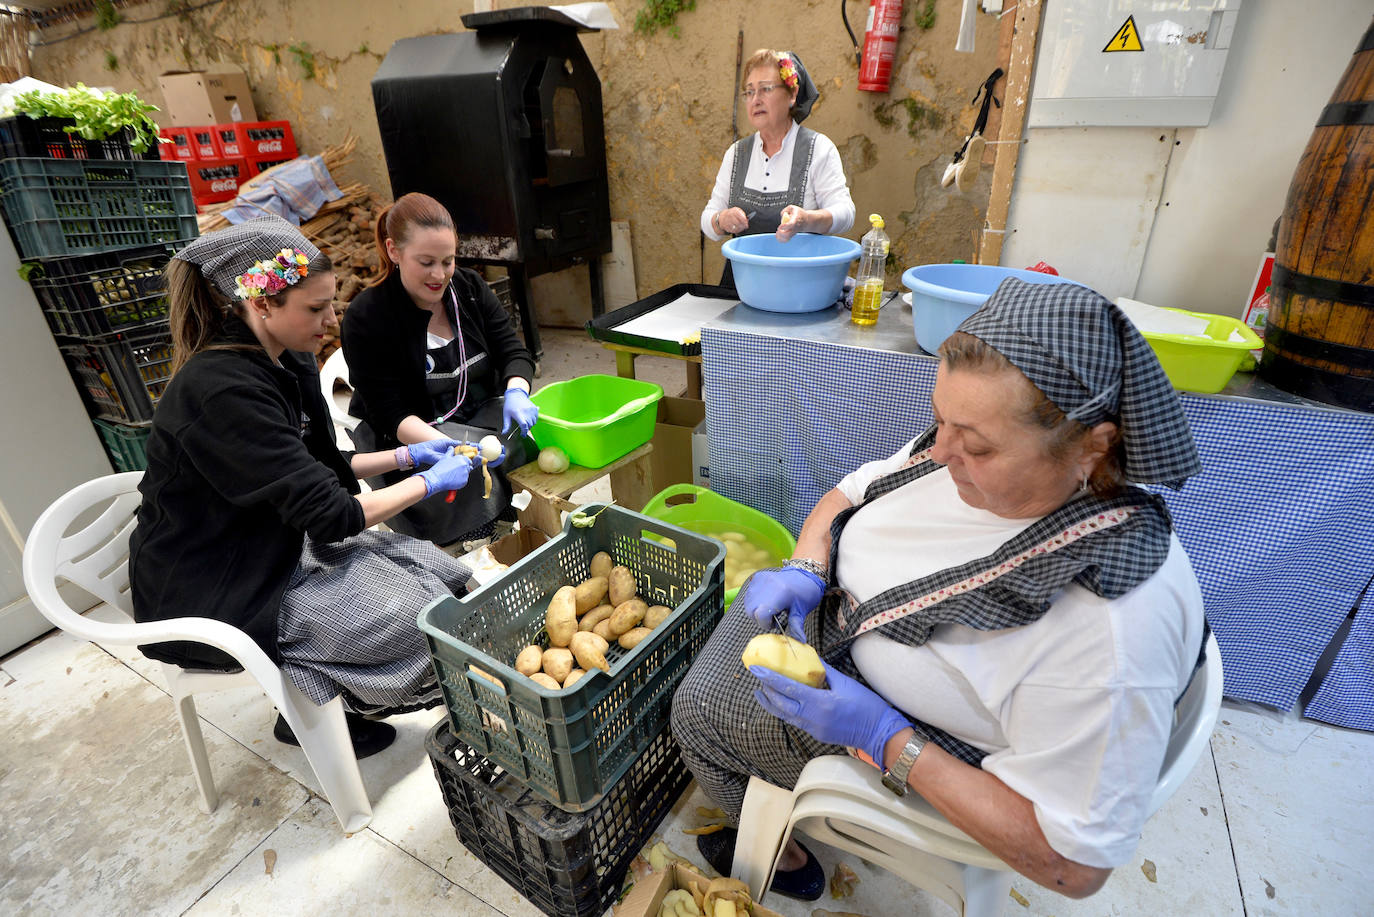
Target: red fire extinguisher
[[880, 45]]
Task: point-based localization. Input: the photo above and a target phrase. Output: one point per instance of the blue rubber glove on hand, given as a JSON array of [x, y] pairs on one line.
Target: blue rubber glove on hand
[[431, 451], [791, 590], [450, 473], [844, 713], [518, 411]]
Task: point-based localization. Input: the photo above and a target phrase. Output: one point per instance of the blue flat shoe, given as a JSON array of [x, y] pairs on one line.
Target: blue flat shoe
[[805, 883]]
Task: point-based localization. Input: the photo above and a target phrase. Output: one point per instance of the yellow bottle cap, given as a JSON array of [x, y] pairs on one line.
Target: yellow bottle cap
[[876, 220]]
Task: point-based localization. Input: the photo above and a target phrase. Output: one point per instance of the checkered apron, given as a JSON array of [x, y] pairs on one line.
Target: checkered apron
[[347, 624]]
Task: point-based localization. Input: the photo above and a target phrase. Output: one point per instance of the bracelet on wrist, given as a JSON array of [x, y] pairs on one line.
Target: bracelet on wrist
[[403, 459], [810, 566]]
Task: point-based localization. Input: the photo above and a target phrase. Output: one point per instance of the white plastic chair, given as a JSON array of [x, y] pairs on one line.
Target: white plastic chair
[[95, 557], [840, 801], [335, 371]]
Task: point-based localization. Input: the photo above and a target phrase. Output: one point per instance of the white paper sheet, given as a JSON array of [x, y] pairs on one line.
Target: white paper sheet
[[1161, 321], [679, 319]]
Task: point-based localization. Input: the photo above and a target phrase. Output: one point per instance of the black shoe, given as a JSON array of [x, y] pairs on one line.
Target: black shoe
[[368, 736], [805, 883]]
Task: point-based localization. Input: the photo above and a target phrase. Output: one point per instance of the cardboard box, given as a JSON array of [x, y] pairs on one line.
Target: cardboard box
[[210, 96], [671, 461], [646, 896], [701, 456], [517, 545], [215, 180]]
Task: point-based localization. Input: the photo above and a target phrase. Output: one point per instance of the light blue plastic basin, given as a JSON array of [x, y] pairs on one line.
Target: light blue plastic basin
[[943, 295], [805, 274]]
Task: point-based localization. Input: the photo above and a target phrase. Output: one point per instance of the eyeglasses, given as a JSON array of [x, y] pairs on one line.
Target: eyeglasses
[[763, 90]]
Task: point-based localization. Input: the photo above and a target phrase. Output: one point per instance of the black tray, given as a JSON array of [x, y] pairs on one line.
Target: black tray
[[603, 328]]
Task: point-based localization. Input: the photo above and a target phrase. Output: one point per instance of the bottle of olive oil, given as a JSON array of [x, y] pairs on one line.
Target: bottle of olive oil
[[868, 291]]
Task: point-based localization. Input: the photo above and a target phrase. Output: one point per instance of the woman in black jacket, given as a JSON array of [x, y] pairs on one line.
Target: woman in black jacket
[[431, 353], [250, 515]]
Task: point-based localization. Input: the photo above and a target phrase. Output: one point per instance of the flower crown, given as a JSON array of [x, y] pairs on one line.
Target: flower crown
[[272, 275], [787, 71]]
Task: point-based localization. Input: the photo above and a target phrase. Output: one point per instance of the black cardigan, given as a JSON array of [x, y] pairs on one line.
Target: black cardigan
[[384, 344], [241, 465]]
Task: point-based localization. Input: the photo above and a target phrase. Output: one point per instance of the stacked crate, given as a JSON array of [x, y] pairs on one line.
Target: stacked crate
[[95, 225], [220, 157]]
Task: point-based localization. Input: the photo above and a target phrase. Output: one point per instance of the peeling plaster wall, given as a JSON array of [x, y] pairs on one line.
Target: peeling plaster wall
[[668, 103]]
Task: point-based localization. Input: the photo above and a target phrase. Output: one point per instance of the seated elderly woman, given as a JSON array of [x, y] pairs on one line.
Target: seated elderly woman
[[1006, 623]]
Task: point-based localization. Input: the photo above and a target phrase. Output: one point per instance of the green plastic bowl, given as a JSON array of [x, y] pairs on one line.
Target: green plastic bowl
[[1204, 362], [596, 419], [705, 512]]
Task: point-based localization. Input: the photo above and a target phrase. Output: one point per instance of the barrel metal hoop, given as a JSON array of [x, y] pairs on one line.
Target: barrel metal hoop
[[1319, 384], [1356, 359], [1339, 114], [1359, 294]]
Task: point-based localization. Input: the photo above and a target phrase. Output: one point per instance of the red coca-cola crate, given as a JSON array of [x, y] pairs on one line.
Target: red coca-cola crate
[[256, 140], [215, 180], [203, 143], [260, 164], [180, 148]]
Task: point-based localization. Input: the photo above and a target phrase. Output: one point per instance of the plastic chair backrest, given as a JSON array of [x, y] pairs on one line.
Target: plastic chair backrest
[[334, 371], [1195, 716]]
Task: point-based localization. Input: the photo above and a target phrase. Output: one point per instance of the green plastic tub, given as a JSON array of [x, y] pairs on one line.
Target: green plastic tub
[[705, 512], [1204, 362], [596, 419]]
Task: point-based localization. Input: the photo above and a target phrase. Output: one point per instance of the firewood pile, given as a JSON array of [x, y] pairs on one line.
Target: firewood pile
[[345, 230]]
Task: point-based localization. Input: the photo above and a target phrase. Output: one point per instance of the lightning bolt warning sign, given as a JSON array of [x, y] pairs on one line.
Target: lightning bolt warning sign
[[1127, 38]]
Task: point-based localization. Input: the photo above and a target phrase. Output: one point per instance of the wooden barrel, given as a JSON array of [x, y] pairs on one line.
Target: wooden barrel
[[1319, 338]]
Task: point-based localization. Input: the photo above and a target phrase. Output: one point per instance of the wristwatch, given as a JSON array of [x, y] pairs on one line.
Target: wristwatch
[[894, 778]]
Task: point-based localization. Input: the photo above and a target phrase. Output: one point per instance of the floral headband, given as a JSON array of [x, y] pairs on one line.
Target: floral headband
[[273, 275], [787, 71]]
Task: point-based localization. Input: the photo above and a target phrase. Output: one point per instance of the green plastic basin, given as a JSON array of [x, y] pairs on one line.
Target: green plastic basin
[[596, 419]]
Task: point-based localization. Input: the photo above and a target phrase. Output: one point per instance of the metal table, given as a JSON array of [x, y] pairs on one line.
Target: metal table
[[1279, 526]]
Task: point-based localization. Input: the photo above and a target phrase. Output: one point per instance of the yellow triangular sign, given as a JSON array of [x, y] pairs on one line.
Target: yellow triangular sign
[[1127, 38]]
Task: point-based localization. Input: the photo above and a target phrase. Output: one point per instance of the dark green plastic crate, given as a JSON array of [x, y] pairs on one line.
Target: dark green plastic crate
[[61, 207], [93, 295], [126, 444], [122, 376], [568, 864], [571, 745]]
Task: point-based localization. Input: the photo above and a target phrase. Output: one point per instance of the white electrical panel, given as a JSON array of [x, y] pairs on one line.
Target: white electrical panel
[[1152, 63]]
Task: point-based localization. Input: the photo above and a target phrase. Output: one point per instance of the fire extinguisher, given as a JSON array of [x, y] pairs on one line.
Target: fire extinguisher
[[880, 45]]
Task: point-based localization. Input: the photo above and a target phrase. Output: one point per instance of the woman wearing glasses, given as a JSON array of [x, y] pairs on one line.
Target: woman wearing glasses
[[785, 179]]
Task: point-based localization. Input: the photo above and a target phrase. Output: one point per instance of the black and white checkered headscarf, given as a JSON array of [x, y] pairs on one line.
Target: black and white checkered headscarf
[[225, 254], [1086, 356]]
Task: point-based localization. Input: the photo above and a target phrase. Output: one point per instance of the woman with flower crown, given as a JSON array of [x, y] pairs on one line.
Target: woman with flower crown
[[252, 516], [785, 178]]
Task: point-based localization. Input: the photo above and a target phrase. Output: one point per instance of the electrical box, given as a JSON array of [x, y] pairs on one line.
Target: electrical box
[[1130, 64]]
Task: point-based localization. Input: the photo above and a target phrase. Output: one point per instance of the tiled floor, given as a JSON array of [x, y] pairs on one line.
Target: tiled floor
[[101, 817]]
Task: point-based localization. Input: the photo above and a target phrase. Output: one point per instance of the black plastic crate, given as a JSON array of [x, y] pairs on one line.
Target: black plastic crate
[[122, 376], [566, 864], [56, 207], [22, 135], [126, 444], [93, 295], [572, 744]]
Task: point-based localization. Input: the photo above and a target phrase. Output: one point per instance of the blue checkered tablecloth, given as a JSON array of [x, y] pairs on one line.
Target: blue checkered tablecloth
[[1279, 526]]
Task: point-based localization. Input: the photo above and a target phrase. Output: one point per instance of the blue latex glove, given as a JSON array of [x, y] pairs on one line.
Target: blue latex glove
[[790, 590], [450, 473], [518, 411], [844, 713], [431, 451]]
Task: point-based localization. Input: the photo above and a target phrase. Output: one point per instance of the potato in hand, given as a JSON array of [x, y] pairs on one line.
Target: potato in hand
[[791, 658]]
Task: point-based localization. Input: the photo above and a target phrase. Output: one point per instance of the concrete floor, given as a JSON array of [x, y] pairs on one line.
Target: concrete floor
[[101, 815]]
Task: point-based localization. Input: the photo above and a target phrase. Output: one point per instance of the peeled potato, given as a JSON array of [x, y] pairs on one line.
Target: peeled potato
[[590, 594], [631, 638], [788, 657], [590, 651], [561, 619], [622, 585], [545, 681], [529, 660], [601, 564], [557, 663], [573, 676], [656, 615], [627, 615]]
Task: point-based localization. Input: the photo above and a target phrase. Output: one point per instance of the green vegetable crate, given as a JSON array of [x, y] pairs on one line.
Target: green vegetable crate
[[126, 444], [571, 745], [22, 135], [91, 295], [122, 376], [62, 207]]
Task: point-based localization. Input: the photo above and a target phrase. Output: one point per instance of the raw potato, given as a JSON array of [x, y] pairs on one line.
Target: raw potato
[[656, 615], [487, 675], [595, 617], [530, 660], [590, 651], [788, 657], [622, 583], [601, 564], [573, 676], [630, 639], [557, 663], [490, 448], [603, 630], [591, 593], [561, 619], [545, 681], [627, 615]]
